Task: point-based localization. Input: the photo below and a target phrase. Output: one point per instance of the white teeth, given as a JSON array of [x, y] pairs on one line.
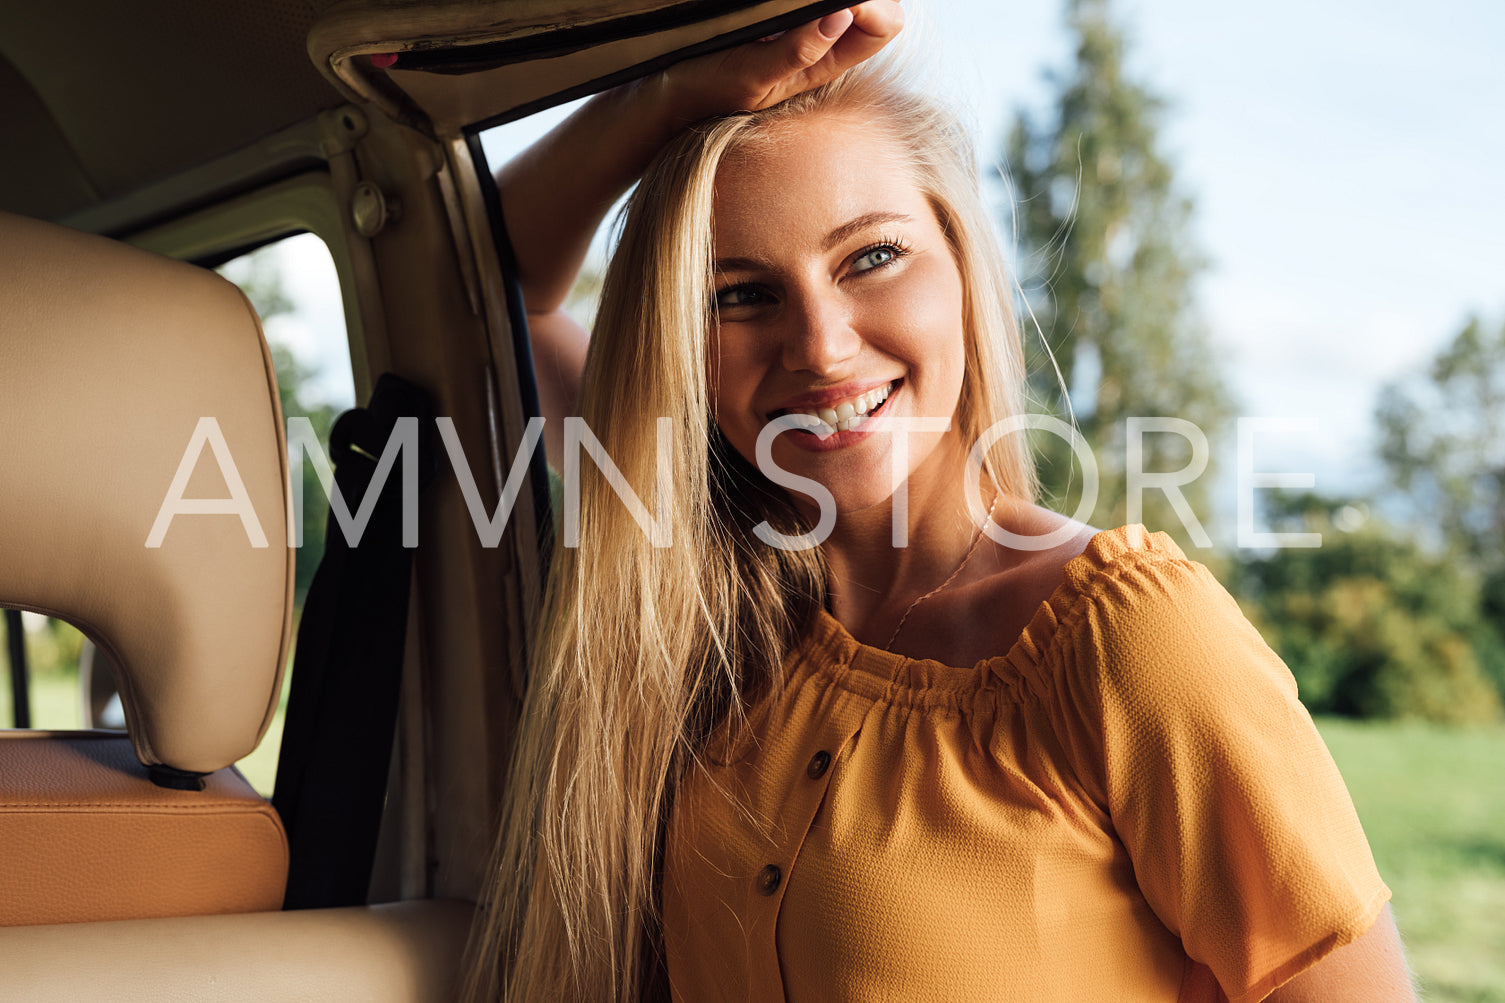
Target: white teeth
[[851, 414], [866, 402]]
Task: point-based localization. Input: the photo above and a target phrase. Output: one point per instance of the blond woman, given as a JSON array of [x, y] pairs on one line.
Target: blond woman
[[858, 720]]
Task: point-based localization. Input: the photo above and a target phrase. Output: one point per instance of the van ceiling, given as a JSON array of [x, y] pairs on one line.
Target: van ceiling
[[100, 97]]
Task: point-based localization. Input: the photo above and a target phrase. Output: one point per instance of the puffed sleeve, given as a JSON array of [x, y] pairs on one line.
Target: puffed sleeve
[[1243, 838]]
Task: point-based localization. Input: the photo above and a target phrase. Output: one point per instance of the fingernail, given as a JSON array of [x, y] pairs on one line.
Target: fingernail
[[772, 38], [832, 25]]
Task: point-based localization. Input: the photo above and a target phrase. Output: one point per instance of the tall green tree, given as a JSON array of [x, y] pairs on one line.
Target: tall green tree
[[1107, 268]]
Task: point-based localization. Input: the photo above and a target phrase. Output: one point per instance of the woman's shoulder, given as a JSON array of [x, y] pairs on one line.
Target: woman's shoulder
[[1126, 602], [1139, 634], [1046, 564]]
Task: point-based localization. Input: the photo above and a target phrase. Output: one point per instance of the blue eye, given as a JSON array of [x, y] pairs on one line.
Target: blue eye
[[876, 257]]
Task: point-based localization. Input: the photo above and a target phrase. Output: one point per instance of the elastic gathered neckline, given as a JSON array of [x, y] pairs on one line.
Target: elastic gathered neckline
[[830, 650]]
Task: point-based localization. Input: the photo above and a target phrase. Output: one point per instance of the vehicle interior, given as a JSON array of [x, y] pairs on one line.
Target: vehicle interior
[[144, 477]]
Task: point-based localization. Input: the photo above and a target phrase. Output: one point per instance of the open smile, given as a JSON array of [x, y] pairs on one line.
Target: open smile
[[845, 415]]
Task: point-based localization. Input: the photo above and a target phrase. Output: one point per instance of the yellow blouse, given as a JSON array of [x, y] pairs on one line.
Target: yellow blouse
[[1128, 805]]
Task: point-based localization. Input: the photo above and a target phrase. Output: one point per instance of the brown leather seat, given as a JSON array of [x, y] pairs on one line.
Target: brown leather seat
[[110, 357], [86, 835]]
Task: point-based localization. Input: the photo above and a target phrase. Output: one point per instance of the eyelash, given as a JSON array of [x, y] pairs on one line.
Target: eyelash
[[894, 244]]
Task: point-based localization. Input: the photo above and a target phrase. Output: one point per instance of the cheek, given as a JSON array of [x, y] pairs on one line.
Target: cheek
[[713, 369], [925, 315], [948, 316], [732, 378]]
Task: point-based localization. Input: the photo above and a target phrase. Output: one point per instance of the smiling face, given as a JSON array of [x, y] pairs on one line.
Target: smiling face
[[837, 296]]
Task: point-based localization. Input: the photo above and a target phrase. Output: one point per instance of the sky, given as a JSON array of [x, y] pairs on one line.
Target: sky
[[1345, 161]]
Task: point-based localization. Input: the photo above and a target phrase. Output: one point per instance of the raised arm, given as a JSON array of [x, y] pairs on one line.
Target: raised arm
[[555, 194]]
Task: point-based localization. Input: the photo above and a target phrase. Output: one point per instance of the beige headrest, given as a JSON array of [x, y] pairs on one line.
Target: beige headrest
[[109, 358]]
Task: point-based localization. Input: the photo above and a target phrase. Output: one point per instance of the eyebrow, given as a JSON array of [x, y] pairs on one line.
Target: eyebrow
[[843, 232], [855, 226]]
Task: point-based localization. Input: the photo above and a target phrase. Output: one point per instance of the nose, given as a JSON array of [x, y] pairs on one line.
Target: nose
[[819, 332]]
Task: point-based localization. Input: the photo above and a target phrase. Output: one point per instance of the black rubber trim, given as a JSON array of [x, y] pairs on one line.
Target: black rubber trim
[[174, 779], [782, 22], [566, 39], [522, 353], [214, 259]]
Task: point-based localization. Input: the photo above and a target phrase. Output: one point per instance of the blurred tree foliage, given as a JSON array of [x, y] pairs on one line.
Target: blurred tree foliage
[[292, 379], [1380, 621], [1442, 438], [1391, 621], [1107, 267], [260, 277], [52, 646], [1373, 623]]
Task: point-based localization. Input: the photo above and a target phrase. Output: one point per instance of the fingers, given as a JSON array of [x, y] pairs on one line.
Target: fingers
[[824, 49], [807, 45], [832, 25], [754, 76], [874, 24], [881, 18]]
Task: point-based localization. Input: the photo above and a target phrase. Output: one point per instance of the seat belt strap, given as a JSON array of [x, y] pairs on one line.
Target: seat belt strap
[[347, 670]]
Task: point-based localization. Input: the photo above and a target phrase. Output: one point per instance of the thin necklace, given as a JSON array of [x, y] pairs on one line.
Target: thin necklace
[[976, 542]]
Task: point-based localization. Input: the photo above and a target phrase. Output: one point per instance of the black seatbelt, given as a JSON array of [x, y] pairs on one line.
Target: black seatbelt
[[20, 697], [347, 670]]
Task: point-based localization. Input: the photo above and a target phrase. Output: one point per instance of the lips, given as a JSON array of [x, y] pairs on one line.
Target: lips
[[843, 414]]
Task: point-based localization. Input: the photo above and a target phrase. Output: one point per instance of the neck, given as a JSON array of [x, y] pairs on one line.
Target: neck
[[873, 583]]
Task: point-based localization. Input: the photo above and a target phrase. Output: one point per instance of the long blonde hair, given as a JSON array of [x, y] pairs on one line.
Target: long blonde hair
[[643, 650]]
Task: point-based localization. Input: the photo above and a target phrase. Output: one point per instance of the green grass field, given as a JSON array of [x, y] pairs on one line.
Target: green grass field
[[1432, 801]]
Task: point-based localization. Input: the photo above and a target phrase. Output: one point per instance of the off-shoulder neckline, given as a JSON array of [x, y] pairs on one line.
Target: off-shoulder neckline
[[828, 640]]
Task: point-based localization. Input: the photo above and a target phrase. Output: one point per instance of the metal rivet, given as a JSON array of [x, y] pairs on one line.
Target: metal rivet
[[370, 209], [367, 210], [818, 765], [768, 879]]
